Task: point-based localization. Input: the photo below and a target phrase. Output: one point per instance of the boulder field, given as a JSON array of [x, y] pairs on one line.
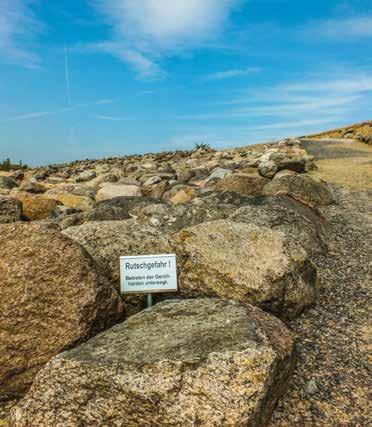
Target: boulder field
[[245, 225]]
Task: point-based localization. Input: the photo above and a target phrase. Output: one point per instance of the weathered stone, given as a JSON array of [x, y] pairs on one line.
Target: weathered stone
[[106, 241], [112, 190], [151, 181], [218, 173], [245, 263], [295, 165], [245, 184], [35, 206], [182, 363], [157, 190], [301, 187], [7, 183], [10, 209], [305, 225], [100, 213], [180, 194], [85, 176], [74, 201], [52, 296], [176, 217], [129, 203], [32, 186], [267, 168]]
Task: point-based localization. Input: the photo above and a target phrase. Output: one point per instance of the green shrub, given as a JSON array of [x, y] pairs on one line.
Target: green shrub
[[201, 145]]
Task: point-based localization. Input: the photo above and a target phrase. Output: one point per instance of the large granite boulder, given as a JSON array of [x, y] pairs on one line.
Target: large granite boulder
[[128, 203], [241, 183], [301, 187], [246, 263], [182, 363], [305, 225], [106, 241], [174, 218], [10, 209], [100, 213], [53, 296]]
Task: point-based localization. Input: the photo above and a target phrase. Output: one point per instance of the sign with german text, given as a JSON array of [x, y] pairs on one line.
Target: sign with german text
[[148, 274]]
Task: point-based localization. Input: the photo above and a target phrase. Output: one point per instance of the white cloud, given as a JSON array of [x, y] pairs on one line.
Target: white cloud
[[228, 74], [144, 31], [145, 67], [18, 26], [345, 29], [295, 106], [28, 116], [110, 118]]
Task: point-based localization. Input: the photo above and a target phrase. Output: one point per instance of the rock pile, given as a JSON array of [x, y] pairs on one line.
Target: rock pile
[[244, 224]]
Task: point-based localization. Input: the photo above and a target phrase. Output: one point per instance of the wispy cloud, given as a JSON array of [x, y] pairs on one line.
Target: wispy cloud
[[67, 79], [145, 31], [145, 67], [228, 74], [28, 116], [345, 29], [18, 27], [104, 101], [110, 118], [297, 105], [41, 114]]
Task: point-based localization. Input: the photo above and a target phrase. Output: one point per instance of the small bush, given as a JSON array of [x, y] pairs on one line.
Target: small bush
[[201, 145], [7, 166]]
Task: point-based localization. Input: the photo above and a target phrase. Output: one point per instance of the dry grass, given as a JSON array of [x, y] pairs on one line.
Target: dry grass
[[348, 164]]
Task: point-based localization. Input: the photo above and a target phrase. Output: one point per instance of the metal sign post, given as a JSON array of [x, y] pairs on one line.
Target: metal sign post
[[149, 300]]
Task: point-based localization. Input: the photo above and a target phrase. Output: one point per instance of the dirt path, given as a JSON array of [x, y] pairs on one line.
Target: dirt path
[[330, 385]]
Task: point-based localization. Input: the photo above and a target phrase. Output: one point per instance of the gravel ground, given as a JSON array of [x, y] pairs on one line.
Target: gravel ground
[[330, 385]]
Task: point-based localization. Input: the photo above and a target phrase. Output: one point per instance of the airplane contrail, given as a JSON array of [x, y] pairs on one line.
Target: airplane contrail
[[67, 77]]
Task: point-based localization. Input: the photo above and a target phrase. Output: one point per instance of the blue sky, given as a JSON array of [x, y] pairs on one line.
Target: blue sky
[[99, 78]]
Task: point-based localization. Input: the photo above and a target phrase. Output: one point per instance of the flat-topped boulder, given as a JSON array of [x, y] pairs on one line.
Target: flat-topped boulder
[[301, 187], [112, 190], [247, 263], [303, 224], [242, 183], [106, 241], [53, 296], [202, 362]]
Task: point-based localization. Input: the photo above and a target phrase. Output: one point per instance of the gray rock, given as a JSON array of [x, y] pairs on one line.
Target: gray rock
[[106, 241], [101, 213], [267, 168], [219, 173], [151, 181], [10, 209], [305, 225], [7, 183], [85, 176], [32, 186], [311, 387], [301, 187], [181, 363]]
